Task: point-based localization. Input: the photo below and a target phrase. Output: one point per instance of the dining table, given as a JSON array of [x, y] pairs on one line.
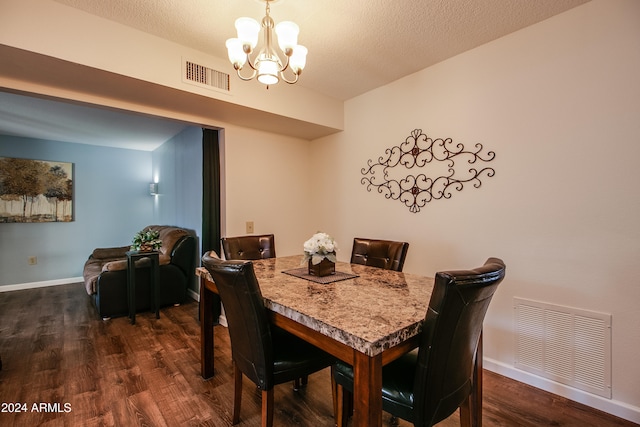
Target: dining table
[[362, 315]]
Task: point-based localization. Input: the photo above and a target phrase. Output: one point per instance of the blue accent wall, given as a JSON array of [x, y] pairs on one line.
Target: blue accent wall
[[111, 203], [177, 167]]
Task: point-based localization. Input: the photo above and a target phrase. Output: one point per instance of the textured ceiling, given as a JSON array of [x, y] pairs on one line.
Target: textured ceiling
[[354, 46]]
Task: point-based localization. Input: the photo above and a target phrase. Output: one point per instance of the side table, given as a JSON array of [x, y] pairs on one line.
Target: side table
[[132, 256]]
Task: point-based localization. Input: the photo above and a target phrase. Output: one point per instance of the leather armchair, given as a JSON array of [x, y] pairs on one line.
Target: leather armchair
[[385, 254], [105, 273]]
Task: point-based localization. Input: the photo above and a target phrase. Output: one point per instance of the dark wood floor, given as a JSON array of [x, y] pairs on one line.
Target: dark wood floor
[[56, 351]]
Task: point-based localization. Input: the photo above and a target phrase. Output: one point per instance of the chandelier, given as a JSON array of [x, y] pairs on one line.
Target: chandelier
[[267, 65]]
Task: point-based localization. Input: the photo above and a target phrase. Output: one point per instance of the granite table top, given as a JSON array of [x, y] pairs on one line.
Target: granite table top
[[374, 311]]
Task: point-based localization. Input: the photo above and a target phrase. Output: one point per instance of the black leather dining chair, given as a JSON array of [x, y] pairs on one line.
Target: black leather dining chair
[[427, 385], [249, 247], [386, 254], [254, 247], [264, 353]]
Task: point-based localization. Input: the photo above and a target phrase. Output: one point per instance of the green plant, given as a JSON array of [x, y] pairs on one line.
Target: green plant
[[146, 241]]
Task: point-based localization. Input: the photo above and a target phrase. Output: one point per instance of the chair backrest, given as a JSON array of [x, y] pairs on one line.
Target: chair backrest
[[249, 330], [450, 335], [249, 247], [385, 254]]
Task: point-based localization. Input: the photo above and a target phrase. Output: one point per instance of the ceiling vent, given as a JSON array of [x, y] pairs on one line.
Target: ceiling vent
[[203, 76]]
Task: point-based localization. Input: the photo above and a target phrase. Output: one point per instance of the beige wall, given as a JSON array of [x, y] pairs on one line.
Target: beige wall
[[559, 103], [266, 181]]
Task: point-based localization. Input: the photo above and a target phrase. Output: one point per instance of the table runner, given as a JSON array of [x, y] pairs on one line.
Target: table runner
[[303, 273]]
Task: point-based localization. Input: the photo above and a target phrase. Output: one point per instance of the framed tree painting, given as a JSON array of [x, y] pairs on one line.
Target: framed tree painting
[[35, 190]]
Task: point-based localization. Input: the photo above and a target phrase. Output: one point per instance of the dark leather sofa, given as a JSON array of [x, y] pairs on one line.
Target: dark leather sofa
[[105, 274]]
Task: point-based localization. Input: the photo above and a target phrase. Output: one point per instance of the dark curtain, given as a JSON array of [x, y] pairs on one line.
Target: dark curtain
[[210, 191], [211, 198]]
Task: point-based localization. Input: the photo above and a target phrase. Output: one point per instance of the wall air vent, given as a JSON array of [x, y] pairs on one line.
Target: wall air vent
[[564, 344], [203, 76]]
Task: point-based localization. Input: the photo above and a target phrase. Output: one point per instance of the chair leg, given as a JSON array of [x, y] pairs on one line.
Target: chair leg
[[267, 408], [339, 406], [476, 391], [299, 383], [465, 413], [334, 394], [344, 399], [237, 394], [471, 408]]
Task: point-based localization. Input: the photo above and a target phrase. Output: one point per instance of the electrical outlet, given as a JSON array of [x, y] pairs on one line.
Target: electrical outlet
[[33, 260], [249, 227]]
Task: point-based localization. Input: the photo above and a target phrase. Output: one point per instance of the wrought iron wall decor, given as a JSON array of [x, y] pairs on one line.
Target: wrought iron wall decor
[[418, 150]]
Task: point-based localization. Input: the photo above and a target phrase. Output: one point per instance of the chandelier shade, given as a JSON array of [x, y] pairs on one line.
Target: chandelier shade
[[267, 66], [287, 33], [236, 54], [248, 31]]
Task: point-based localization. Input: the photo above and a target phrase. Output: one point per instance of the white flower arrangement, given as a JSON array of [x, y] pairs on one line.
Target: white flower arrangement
[[319, 247]]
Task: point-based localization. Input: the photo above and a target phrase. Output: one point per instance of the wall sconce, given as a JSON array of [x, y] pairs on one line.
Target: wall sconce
[[153, 189]]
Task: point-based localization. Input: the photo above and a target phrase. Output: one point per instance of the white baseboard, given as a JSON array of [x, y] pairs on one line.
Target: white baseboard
[[610, 406], [193, 294], [33, 285]]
